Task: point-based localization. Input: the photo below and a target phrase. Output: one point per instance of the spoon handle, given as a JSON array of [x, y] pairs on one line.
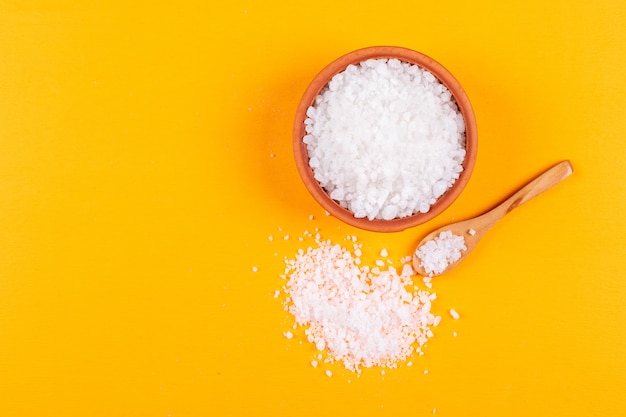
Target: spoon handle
[[473, 229], [543, 182]]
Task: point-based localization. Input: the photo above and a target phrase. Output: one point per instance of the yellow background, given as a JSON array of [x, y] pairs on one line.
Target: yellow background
[[145, 158]]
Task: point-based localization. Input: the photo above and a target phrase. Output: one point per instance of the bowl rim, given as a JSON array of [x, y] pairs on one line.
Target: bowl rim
[[406, 55]]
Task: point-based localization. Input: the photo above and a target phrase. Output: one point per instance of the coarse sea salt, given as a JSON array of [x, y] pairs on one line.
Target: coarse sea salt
[[385, 139], [360, 316], [436, 254]]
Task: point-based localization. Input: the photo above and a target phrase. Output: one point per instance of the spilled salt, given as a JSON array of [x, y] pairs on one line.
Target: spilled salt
[[360, 316]]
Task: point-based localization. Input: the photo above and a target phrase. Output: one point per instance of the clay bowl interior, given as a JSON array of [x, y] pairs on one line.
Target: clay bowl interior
[[302, 158]]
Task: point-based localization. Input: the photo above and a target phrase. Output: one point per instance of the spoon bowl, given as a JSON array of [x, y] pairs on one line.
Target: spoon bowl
[[472, 230]]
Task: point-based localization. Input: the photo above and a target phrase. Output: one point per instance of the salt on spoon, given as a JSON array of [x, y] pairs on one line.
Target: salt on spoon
[[472, 230]]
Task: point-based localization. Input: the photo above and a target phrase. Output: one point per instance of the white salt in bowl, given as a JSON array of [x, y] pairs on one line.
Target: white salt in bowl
[[339, 209]]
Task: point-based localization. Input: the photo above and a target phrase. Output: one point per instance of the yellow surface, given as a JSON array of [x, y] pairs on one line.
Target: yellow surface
[[145, 158]]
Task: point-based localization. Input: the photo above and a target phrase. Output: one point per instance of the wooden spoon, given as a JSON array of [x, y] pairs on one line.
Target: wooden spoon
[[474, 229]]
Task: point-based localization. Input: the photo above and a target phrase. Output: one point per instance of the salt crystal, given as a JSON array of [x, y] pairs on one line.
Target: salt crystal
[[389, 212], [314, 364], [328, 373], [255, 269], [286, 237], [320, 344], [454, 314], [270, 238], [471, 232], [384, 253], [288, 335]]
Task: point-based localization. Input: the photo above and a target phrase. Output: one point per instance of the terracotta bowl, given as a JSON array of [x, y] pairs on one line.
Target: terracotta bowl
[[302, 158]]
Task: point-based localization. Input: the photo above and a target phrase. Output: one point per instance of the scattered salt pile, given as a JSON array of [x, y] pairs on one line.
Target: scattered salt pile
[[438, 253], [361, 316], [385, 139]]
